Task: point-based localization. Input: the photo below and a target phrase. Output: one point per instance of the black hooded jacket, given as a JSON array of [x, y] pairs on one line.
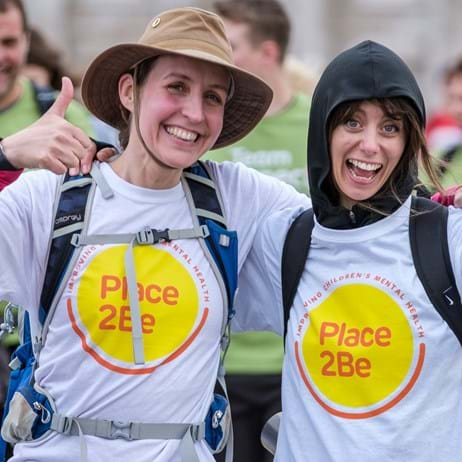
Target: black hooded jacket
[[368, 70]]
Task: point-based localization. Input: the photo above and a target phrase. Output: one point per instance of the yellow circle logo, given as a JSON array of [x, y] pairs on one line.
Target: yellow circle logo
[[168, 298], [358, 352]]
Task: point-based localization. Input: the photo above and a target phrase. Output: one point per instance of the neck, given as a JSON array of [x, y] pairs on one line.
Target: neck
[[141, 169], [11, 96], [282, 91]]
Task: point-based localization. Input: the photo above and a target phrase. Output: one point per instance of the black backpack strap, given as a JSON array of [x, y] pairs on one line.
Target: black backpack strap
[[430, 251], [68, 220], [294, 255], [44, 97]]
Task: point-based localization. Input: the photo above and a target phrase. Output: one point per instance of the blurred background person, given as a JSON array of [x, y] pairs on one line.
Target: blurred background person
[[44, 64], [259, 32], [301, 77], [45, 67], [444, 128], [21, 102]]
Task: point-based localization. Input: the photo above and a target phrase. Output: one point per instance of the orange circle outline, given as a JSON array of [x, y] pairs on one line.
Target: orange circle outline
[[368, 414], [124, 370]]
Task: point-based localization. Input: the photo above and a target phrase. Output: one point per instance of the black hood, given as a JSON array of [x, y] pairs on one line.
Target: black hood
[[368, 70]]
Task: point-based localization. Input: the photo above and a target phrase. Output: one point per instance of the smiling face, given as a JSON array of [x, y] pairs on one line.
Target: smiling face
[[181, 108], [365, 148], [13, 50]]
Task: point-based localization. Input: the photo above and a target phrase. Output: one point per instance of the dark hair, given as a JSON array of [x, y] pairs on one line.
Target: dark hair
[[415, 151], [5, 5], [42, 54], [453, 71], [142, 71], [267, 20]]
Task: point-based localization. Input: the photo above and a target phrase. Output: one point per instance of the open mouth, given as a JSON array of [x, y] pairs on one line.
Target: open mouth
[[363, 171], [182, 134]]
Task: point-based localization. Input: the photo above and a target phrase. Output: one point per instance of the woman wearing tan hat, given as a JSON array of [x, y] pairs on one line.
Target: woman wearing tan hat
[[133, 331]]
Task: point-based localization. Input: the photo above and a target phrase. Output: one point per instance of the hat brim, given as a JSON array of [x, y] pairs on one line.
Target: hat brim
[[248, 104]]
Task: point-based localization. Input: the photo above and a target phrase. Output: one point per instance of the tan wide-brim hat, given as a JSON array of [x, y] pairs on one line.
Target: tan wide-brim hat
[[190, 32]]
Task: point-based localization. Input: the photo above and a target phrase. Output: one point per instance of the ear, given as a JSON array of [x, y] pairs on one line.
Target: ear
[[126, 91], [270, 51]]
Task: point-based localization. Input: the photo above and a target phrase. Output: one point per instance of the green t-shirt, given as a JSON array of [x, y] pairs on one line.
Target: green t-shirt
[[25, 112], [277, 147]]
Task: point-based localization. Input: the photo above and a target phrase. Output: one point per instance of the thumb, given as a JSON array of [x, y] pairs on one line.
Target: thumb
[[64, 98]]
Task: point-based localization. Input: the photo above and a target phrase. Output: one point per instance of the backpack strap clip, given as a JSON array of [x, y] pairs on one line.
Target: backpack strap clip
[[149, 236]]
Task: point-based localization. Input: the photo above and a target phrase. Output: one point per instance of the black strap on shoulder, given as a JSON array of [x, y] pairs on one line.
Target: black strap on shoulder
[[294, 255], [70, 211], [44, 97], [430, 251]]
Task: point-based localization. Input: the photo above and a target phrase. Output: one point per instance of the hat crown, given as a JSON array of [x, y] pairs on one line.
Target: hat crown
[[188, 29]]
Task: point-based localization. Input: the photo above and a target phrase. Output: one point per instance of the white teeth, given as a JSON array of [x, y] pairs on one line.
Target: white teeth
[[182, 134], [364, 165]]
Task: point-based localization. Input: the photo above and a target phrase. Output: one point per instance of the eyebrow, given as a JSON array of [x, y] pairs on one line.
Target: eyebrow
[[187, 78]]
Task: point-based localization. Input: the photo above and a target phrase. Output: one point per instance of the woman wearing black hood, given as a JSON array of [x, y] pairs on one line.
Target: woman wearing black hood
[[372, 372]]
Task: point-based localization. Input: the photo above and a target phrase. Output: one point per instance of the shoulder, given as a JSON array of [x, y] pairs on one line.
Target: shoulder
[[239, 182], [231, 172], [35, 185]]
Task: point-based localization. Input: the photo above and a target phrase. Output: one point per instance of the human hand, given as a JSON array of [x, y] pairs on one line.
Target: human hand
[[458, 197], [52, 142], [451, 196], [103, 155]]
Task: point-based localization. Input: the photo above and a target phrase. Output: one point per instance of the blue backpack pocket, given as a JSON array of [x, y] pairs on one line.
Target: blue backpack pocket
[[218, 424]]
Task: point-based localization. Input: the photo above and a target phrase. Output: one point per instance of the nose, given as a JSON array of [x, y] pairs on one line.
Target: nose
[[193, 108], [369, 141]]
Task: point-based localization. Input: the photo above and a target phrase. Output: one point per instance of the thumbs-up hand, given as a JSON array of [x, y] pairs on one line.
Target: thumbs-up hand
[[52, 142]]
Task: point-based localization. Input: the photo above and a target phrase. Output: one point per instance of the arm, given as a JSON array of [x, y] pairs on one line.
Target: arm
[[51, 142], [26, 210]]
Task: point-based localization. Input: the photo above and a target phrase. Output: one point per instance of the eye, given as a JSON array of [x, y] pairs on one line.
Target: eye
[[390, 128], [176, 87], [214, 98], [352, 124], [10, 42]]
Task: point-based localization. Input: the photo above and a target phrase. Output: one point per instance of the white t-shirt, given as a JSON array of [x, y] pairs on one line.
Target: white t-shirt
[[371, 372], [87, 362]]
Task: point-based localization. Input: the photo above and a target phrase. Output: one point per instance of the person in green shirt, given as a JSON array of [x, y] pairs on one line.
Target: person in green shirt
[[259, 33], [20, 104]]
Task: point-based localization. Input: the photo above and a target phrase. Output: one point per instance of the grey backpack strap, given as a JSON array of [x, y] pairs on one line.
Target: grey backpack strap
[[146, 236], [188, 434]]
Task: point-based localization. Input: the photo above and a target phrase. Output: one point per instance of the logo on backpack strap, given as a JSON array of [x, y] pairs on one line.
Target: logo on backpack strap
[[69, 219]]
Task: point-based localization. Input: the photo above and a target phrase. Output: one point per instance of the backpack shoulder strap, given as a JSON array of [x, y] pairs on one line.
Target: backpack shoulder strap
[[44, 97], [294, 255], [206, 206], [430, 251], [69, 219]]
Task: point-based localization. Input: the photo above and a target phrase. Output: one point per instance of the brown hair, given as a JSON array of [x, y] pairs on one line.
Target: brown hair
[[5, 5], [43, 54], [142, 71], [416, 150], [267, 20]]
